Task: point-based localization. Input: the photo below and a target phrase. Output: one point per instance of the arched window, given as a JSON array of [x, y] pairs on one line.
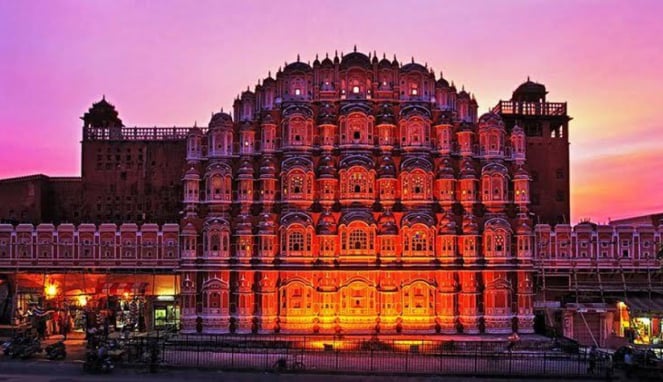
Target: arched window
[[357, 183], [297, 131], [356, 129], [297, 86], [296, 299], [358, 299], [358, 240], [217, 187], [497, 240], [419, 242], [418, 300], [214, 242], [417, 186], [296, 242]]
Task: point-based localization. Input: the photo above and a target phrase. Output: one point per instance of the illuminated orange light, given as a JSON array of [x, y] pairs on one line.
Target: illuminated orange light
[[51, 290]]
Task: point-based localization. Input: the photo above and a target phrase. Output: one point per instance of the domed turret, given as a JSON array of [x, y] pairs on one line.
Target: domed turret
[[327, 62], [191, 174], [326, 168], [326, 115], [384, 63], [245, 169], [387, 224], [470, 225], [326, 224], [491, 120], [355, 59], [267, 168], [385, 115], [243, 224], [297, 67], [266, 225], [413, 66], [387, 168], [523, 226], [467, 170], [530, 91], [102, 114], [447, 224], [445, 171], [220, 119], [442, 83]]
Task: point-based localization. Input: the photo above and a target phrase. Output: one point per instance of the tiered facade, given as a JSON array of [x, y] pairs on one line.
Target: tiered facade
[[356, 195]]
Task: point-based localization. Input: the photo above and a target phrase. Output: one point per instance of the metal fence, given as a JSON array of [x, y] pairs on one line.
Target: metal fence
[[335, 355]]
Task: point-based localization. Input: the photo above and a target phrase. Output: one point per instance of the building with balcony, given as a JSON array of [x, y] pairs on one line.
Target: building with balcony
[[356, 194]]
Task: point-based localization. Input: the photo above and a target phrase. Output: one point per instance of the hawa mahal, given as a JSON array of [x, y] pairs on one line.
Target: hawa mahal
[[355, 194]]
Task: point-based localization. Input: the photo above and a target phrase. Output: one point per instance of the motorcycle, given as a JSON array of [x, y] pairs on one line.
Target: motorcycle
[[56, 351], [98, 361], [14, 345], [32, 347]]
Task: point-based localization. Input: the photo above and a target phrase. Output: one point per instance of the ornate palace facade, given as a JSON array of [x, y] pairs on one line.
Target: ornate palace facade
[[356, 195], [353, 195]]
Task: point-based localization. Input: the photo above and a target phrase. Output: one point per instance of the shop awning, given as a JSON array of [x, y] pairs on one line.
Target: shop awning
[[116, 289], [645, 304]]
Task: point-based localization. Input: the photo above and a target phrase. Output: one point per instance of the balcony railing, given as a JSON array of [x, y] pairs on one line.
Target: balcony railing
[[531, 108], [136, 133]]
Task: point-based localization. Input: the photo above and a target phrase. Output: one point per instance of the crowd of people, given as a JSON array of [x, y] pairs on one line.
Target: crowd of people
[[46, 322]]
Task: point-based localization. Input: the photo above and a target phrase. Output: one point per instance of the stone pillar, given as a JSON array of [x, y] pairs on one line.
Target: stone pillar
[[567, 323]]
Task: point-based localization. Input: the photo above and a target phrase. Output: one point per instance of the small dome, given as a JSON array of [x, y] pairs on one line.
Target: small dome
[[385, 115], [220, 119], [517, 130], [191, 174], [447, 224], [387, 224], [326, 115], [102, 114], [521, 173], [326, 224], [467, 170], [530, 91], [245, 169], [194, 132], [266, 225], [413, 66], [384, 63], [441, 82], [470, 225], [327, 62], [243, 224], [326, 168], [268, 81], [444, 118], [491, 120], [524, 227], [445, 171], [355, 59], [297, 67], [267, 168], [387, 168], [463, 95], [247, 95]]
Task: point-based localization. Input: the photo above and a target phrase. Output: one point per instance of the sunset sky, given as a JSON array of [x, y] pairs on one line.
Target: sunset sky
[[171, 63]]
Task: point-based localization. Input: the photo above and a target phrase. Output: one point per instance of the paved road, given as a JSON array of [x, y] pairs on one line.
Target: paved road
[[42, 371]]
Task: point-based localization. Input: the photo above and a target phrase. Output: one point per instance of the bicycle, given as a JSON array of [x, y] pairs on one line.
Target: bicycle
[[285, 364]]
